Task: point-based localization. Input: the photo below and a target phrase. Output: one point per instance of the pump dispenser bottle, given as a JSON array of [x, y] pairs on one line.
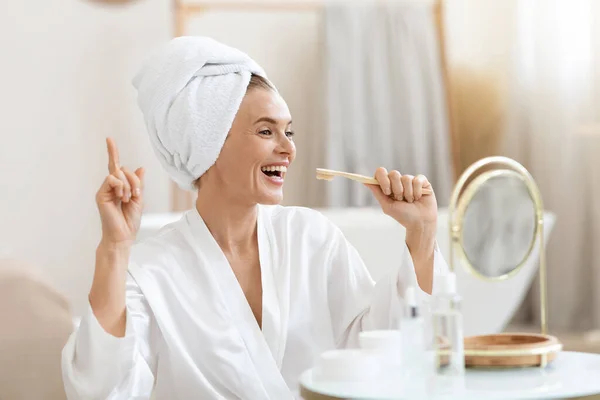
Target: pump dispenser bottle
[[413, 348], [448, 341]]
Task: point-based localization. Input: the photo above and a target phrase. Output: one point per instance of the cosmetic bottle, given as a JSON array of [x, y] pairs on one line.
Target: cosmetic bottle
[[448, 340], [413, 350]]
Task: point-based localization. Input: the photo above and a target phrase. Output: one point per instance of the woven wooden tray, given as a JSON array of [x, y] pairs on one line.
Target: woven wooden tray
[[511, 350]]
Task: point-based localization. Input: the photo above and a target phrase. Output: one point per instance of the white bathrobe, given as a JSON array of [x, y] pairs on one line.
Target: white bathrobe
[[192, 335]]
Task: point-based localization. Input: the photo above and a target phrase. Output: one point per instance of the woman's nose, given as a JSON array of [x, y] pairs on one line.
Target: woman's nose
[[286, 145]]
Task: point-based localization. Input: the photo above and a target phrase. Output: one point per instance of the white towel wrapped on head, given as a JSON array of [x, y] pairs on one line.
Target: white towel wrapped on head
[[189, 93]]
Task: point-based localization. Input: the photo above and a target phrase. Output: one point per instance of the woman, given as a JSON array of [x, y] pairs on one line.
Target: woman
[[241, 295]]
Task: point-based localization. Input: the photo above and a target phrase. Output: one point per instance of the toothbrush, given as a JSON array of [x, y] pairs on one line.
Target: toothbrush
[[329, 174]]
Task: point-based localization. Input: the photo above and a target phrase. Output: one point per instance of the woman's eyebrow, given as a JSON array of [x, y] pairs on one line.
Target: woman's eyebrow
[[269, 120]]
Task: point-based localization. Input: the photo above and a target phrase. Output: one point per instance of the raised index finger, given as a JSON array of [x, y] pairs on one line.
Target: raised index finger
[[113, 156]]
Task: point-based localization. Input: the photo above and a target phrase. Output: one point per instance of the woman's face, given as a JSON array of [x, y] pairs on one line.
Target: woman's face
[[258, 151]]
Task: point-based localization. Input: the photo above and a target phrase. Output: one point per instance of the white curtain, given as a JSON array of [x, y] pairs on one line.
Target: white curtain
[[553, 128], [385, 99]]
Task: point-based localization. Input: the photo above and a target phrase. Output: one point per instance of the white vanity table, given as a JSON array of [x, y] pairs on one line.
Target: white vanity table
[[570, 375]]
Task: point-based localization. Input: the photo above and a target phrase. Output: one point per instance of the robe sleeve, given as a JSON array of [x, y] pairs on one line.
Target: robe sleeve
[[97, 365], [357, 303]]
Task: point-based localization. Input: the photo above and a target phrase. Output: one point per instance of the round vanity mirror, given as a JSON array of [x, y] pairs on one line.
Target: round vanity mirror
[[496, 219], [499, 225]]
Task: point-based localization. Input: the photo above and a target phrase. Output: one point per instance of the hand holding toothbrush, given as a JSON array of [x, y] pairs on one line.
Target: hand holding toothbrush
[[401, 197]]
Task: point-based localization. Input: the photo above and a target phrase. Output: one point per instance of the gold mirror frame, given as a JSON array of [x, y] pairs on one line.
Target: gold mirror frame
[[460, 200]]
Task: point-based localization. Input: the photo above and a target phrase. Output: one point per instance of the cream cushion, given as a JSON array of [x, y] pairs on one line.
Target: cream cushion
[[35, 325]]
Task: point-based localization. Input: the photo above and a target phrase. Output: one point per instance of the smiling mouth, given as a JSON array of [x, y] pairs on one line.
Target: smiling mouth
[[275, 171]]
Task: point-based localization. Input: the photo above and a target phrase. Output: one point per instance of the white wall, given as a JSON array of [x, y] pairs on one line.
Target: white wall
[[65, 77]]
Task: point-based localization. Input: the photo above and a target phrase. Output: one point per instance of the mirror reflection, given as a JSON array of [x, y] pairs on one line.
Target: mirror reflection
[[499, 226]]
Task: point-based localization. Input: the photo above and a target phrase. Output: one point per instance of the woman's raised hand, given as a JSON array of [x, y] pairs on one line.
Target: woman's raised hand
[[120, 200], [401, 197]]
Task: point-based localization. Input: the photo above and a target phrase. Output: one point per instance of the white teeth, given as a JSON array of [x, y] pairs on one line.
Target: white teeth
[[281, 168]]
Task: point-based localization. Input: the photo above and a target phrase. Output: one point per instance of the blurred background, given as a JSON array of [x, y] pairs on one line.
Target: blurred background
[[420, 86]]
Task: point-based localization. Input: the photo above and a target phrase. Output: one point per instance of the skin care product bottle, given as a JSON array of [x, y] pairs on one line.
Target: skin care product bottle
[[448, 344], [412, 329]]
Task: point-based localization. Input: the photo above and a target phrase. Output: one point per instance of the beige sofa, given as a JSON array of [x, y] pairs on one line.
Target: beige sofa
[[36, 323]]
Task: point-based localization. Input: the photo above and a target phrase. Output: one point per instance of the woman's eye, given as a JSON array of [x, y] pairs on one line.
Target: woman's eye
[[289, 133], [265, 132]]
